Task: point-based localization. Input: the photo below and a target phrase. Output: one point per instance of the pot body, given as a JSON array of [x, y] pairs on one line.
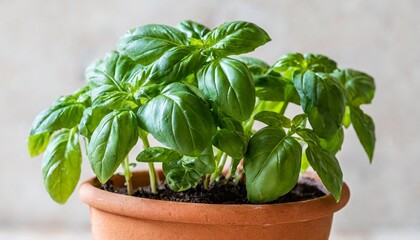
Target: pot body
[[116, 216]]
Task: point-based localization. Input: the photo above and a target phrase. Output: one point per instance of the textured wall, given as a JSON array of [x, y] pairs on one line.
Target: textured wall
[[45, 46]]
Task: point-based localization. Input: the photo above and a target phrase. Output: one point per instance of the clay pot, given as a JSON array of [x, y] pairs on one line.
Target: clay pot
[[115, 216]]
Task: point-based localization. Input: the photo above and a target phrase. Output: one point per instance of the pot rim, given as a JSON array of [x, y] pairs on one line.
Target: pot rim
[[203, 213]]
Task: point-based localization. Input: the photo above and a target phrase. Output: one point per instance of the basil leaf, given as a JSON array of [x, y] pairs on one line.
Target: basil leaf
[[272, 165], [273, 119], [365, 130], [334, 143], [328, 169], [230, 142], [111, 142], [299, 119], [175, 64], [233, 38], [256, 66], [38, 143], [60, 115], [322, 99], [273, 87], [309, 136], [158, 154], [178, 119], [183, 174], [193, 29], [228, 83], [304, 164], [292, 62], [360, 87], [227, 122], [110, 79], [90, 120], [61, 165], [148, 43]]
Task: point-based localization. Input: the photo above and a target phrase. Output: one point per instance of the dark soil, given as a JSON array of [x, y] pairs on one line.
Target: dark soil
[[221, 193]]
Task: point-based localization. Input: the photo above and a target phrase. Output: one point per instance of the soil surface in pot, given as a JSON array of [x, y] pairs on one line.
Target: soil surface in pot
[[221, 192]]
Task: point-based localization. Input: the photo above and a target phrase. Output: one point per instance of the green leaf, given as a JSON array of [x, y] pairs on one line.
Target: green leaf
[[226, 122], [148, 43], [233, 38], [299, 119], [292, 62], [231, 142], [193, 29], [158, 154], [347, 118], [111, 142], [360, 87], [38, 143], [110, 81], [60, 115], [273, 119], [304, 164], [256, 66], [175, 64], [273, 87], [328, 169], [178, 119], [228, 83], [90, 120], [365, 130], [61, 165], [334, 143], [183, 174], [322, 99], [309, 136], [272, 165]]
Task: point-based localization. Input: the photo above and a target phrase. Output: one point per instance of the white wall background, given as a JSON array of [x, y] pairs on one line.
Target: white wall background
[[46, 45]]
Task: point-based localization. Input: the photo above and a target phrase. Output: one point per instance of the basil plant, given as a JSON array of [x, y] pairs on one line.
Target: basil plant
[[187, 87]]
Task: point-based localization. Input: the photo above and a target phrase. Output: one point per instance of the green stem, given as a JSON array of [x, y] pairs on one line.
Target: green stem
[[219, 169], [128, 175], [283, 108], [154, 177], [238, 177], [206, 181]]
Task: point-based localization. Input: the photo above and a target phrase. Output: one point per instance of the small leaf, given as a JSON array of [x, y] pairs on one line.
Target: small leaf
[[148, 43], [328, 169], [359, 86], [228, 83], [178, 119], [299, 119], [90, 120], [256, 66], [272, 165], [193, 29], [365, 129], [233, 38], [273, 119], [61, 165], [183, 174], [322, 99], [158, 154], [38, 143], [111, 142], [320, 63], [304, 164], [230, 142]]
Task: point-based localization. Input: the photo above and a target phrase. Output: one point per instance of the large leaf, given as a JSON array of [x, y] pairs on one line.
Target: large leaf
[[234, 38], [61, 166], [193, 29], [148, 43], [322, 98], [231, 142], [158, 154], [175, 64], [110, 81], [328, 169], [272, 165], [228, 83], [178, 119], [365, 130], [111, 142], [58, 116], [90, 120], [360, 87]]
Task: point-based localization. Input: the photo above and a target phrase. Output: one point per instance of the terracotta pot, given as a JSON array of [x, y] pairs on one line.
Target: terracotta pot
[[114, 216]]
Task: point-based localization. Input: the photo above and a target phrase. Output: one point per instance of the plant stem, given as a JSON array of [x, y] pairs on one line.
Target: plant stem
[[128, 175], [229, 173], [219, 169], [154, 177], [238, 177], [206, 181], [283, 108]]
